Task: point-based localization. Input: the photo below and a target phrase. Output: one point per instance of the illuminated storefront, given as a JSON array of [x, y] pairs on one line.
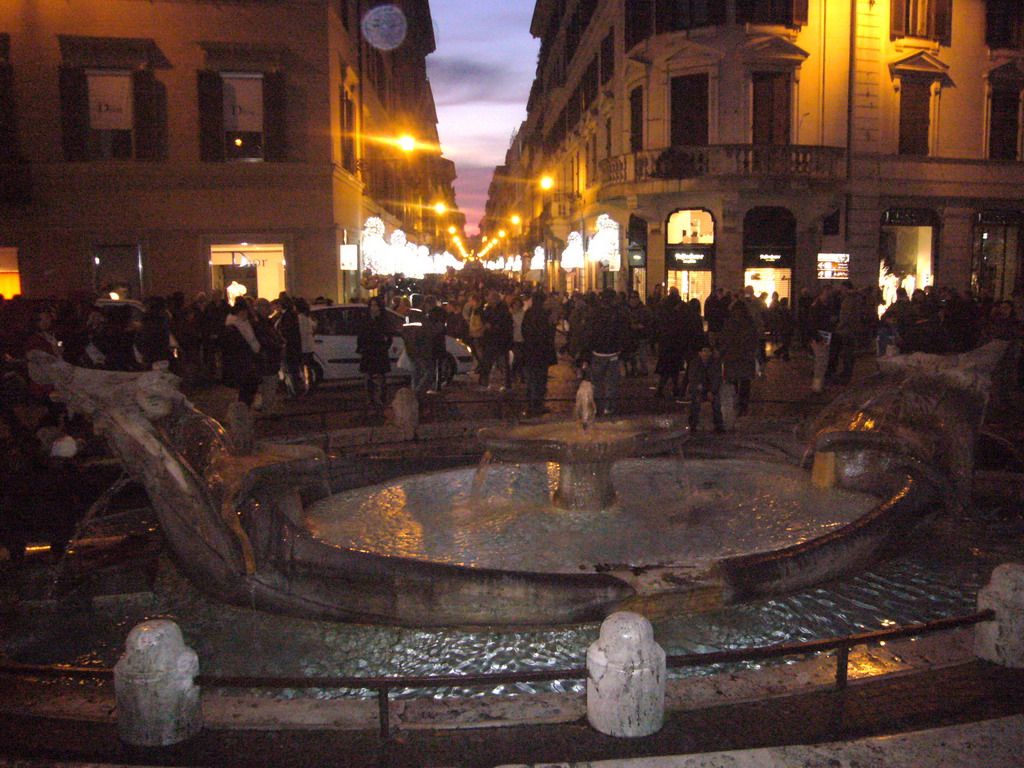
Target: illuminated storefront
[[690, 253], [636, 255], [997, 268], [906, 251], [10, 276], [248, 269], [769, 248]]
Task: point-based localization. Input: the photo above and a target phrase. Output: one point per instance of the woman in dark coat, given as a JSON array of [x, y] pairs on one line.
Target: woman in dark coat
[[673, 346], [372, 344], [739, 344], [538, 353], [241, 352]]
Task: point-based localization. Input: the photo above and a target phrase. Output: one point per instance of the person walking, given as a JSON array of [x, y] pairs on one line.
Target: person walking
[[603, 342], [538, 353], [270, 355], [373, 343], [240, 353], [291, 330], [740, 343], [496, 340], [669, 323]]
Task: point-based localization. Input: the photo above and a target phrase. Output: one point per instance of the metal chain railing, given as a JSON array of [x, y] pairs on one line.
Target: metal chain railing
[[383, 686]]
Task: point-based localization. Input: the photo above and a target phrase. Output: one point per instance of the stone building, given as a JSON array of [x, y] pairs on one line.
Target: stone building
[[777, 143], [148, 147]]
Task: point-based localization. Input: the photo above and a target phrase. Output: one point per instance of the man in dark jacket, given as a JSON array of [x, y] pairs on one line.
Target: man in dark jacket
[[538, 353], [603, 341], [497, 339]]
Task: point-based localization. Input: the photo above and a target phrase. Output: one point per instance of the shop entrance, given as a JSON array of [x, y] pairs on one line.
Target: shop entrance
[[690, 253], [906, 250], [769, 250], [996, 262], [248, 269], [10, 275]]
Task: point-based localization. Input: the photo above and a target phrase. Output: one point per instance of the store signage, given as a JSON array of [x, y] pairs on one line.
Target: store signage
[[770, 256], [239, 259], [349, 257], [686, 257], [833, 266], [637, 258]]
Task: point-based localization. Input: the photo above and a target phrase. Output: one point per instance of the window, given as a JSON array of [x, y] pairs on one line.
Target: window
[[771, 107], [607, 58], [787, 12], [636, 120], [242, 116], [690, 111], [1004, 24], [348, 132], [997, 261], [112, 114], [915, 117], [639, 22], [928, 19], [1004, 124]]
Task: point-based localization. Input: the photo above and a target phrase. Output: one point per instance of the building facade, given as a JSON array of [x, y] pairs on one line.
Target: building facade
[[778, 143], [150, 147]]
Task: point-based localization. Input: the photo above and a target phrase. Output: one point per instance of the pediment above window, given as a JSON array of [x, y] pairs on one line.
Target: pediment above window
[[693, 53], [1008, 75], [131, 53], [921, 66], [773, 50]]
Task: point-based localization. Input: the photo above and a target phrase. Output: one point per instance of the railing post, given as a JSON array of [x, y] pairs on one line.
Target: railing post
[[384, 712], [842, 666]]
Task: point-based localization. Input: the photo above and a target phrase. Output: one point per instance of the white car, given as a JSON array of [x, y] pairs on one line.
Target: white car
[[335, 338]]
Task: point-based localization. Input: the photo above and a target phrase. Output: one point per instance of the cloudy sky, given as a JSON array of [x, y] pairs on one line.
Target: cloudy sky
[[481, 74]]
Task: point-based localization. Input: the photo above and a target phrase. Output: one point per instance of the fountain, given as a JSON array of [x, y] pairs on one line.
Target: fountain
[[571, 523]]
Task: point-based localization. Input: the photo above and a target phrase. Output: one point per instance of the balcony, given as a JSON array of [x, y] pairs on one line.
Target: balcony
[[727, 161]]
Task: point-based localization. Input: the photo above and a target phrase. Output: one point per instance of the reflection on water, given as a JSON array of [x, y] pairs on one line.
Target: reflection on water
[[940, 577], [668, 511]]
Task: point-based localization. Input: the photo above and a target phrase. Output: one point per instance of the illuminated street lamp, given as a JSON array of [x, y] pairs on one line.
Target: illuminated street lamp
[[440, 209], [407, 143]]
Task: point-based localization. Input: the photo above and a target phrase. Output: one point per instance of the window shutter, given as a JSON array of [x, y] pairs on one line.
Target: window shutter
[[211, 116], [915, 117], [274, 117], [74, 112], [149, 116], [800, 11], [899, 18], [944, 21], [8, 134]]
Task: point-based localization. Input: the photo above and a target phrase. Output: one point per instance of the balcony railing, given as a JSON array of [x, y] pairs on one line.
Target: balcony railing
[[726, 160]]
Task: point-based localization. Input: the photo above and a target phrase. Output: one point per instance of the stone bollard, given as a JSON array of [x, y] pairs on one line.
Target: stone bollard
[[626, 678], [157, 700], [405, 410], [1002, 639]]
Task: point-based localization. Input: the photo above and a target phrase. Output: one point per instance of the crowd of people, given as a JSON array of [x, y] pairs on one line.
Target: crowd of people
[[515, 332]]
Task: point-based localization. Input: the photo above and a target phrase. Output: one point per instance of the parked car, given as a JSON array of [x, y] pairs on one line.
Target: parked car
[[335, 338]]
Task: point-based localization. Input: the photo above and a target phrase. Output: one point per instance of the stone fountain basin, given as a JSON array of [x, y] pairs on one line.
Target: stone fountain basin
[[444, 558]]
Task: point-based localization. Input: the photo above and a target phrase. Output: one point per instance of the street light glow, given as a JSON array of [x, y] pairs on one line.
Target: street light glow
[[440, 208], [515, 218], [546, 182], [407, 143]]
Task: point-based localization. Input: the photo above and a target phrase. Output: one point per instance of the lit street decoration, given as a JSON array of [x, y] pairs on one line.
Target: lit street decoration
[[374, 247], [604, 246], [572, 256], [539, 260]]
